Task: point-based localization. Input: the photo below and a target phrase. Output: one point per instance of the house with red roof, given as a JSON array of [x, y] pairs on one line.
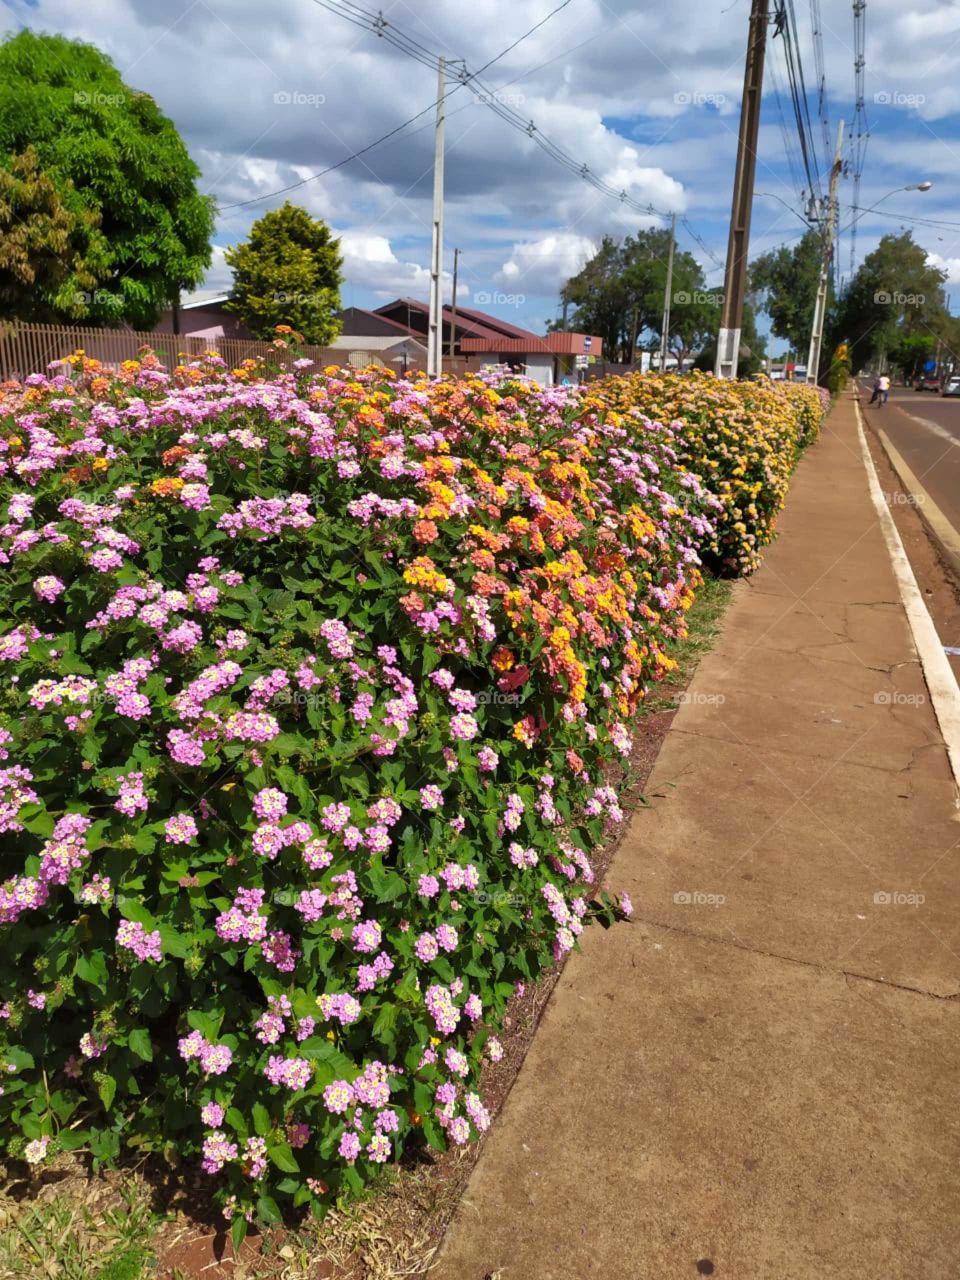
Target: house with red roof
[[480, 339]]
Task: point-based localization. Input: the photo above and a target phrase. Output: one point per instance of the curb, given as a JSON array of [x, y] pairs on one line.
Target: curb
[[937, 671], [943, 533]]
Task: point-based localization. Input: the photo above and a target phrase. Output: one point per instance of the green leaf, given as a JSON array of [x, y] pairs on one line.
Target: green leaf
[[433, 1133], [282, 1156], [107, 1088], [238, 1232], [140, 1044], [91, 967], [262, 1124], [268, 1211]]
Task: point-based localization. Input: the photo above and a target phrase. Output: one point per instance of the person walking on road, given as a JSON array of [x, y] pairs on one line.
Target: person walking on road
[[876, 389], [883, 383]]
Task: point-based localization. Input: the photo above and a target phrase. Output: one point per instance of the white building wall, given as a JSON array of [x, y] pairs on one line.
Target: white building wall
[[541, 368]]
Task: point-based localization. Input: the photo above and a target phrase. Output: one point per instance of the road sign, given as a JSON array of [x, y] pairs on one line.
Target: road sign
[[587, 343], [582, 362]]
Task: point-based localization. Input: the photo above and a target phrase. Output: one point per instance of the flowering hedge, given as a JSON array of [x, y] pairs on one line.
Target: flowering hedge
[[311, 686], [741, 438]]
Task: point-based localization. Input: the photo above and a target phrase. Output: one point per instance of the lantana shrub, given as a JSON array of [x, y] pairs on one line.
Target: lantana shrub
[[742, 438], [313, 688]]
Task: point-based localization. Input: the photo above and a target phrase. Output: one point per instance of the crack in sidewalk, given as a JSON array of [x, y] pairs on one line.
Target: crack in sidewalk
[[822, 967]]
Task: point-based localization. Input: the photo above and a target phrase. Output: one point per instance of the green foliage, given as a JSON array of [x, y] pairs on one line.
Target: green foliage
[[288, 273], [52, 255], [895, 294], [911, 352], [619, 296], [127, 165], [315, 705], [743, 438], [786, 281]]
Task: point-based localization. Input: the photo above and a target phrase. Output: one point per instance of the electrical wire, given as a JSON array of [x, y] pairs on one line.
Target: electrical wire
[[489, 97], [355, 155], [822, 108], [787, 27], [789, 141]]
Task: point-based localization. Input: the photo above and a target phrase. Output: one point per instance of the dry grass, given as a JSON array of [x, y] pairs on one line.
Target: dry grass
[[77, 1228]]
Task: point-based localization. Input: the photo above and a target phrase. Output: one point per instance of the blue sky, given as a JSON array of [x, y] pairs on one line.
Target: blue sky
[[647, 95]]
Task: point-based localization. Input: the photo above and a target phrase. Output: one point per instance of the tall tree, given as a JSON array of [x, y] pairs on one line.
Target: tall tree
[[52, 256], [125, 160], [784, 283], [600, 298], [288, 272], [619, 294], [895, 293]]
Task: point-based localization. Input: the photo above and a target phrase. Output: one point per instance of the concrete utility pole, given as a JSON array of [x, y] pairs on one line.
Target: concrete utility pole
[[820, 306], [667, 294], [435, 325], [735, 279], [453, 303]]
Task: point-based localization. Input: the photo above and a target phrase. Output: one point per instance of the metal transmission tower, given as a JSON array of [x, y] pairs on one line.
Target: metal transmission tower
[[735, 278], [860, 132]]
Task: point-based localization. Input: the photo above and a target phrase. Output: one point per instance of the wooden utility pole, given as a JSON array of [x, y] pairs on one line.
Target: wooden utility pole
[[665, 327], [453, 304], [820, 306], [738, 245], [435, 325]]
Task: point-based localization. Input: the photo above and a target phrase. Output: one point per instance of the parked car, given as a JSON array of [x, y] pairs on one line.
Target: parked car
[[951, 385], [927, 382]]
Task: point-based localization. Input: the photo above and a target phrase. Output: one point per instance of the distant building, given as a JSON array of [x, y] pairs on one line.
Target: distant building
[[479, 339], [203, 318], [398, 351]]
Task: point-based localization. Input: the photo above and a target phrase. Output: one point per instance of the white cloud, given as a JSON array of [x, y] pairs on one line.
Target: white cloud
[[950, 265], [542, 266], [369, 262]]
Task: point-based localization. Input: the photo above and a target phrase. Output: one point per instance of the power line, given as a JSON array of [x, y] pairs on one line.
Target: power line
[[789, 141], [355, 155], [937, 223], [786, 27], [490, 98], [822, 109]]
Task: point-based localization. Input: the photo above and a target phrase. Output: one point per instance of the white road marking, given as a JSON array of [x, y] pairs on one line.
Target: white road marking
[[934, 427], [937, 671]]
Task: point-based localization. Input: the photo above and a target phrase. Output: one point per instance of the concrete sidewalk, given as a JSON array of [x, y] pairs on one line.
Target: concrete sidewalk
[[758, 1078]]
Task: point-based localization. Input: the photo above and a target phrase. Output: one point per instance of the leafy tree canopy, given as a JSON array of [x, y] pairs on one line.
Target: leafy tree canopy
[[51, 255], [894, 294], [784, 282], [288, 272], [619, 296], [126, 163]]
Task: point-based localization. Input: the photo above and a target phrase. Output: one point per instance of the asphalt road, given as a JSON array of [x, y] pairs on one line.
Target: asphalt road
[[925, 428]]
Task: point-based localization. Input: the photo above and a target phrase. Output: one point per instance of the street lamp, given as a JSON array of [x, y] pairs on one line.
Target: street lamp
[[913, 186]]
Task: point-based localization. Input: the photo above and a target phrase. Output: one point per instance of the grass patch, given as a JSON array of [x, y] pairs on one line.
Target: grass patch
[[703, 621], [79, 1230]]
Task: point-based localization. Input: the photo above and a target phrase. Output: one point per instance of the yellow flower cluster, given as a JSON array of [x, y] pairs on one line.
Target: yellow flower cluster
[[741, 438]]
